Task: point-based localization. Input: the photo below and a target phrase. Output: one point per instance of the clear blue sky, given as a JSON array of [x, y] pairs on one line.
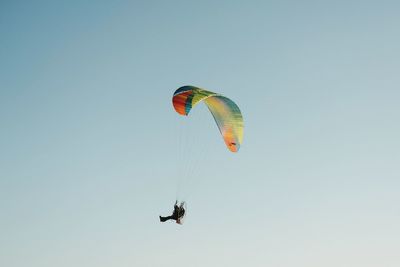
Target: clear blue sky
[[88, 137]]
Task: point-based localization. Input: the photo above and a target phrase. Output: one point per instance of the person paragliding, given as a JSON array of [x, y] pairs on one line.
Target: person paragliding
[[177, 215]]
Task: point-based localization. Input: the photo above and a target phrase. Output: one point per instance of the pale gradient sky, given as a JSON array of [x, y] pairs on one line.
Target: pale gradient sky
[[88, 139]]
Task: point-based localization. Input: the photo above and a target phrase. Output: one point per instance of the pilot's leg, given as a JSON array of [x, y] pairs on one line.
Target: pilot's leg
[[163, 219]]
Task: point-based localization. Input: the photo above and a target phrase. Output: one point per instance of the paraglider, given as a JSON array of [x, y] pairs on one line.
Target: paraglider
[[226, 115]]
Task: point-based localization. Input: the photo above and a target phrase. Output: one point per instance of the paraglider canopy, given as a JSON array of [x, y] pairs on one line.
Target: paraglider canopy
[[226, 113]]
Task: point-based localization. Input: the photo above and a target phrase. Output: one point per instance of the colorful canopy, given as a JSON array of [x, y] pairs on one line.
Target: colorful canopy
[[226, 113]]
